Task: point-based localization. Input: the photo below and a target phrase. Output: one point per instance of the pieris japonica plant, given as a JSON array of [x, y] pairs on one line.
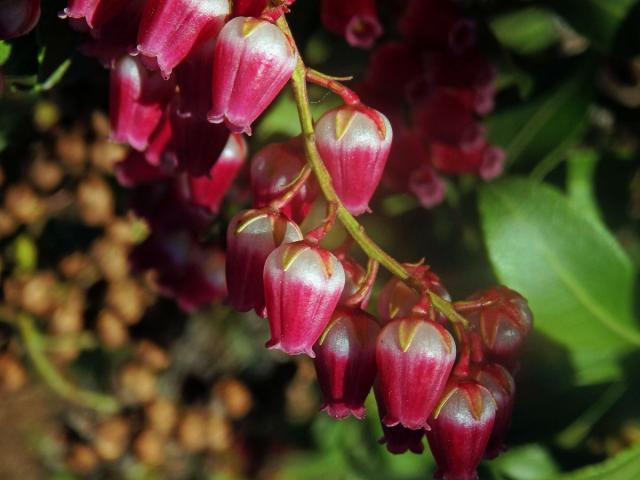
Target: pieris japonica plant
[[188, 85]]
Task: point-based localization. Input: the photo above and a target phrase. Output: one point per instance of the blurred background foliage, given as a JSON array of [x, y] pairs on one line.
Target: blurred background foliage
[[561, 227]]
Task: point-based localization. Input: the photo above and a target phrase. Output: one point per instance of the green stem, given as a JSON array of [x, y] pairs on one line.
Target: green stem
[[357, 232], [35, 347]]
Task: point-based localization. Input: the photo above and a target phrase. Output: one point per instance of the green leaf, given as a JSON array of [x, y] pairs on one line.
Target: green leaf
[[534, 129], [624, 466], [577, 278], [525, 31], [526, 462], [5, 52], [598, 20], [581, 169]]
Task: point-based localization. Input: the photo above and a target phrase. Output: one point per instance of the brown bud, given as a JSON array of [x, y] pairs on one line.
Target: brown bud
[[235, 397], [152, 355], [23, 204], [78, 267], [219, 433], [8, 224], [128, 231], [72, 149], [100, 124], [161, 415], [111, 259], [82, 459], [45, 115], [111, 439], [149, 447], [68, 316], [111, 331], [38, 293], [45, 175], [12, 374], [105, 154], [192, 431], [95, 201], [12, 290], [126, 298], [137, 384]]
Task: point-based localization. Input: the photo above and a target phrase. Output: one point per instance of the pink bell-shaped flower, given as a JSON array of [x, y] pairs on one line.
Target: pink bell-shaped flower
[[354, 142], [276, 167], [137, 100], [302, 286], [18, 17], [397, 439], [460, 428], [252, 235], [504, 323], [500, 383], [356, 20], [253, 61], [136, 170], [95, 12], [196, 144], [193, 77], [414, 359], [208, 191], [170, 28], [346, 362]]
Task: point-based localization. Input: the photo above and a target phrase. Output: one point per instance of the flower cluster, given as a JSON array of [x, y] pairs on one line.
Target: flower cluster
[[182, 98], [435, 85]]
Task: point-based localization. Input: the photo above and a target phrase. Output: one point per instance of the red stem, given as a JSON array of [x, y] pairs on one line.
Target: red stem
[[366, 285], [348, 96], [318, 233]]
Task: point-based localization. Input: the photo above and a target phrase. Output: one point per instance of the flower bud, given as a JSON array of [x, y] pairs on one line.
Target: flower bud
[[302, 286], [504, 324], [398, 439], [414, 359], [253, 61], [356, 20], [346, 362], [460, 428], [95, 12], [117, 36], [397, 299], [252, 235], [500, 383], [273, 170], [195, 143], [170, 28], [18, 17], [209, 191], [137, 101], [354, 143]]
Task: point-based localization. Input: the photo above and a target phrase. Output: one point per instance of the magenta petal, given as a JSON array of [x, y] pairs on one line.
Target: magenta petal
[[18, 17], [252, 235], [170, 28], [95, 12], [354, 145], [253, 61], [460, 429], [346, 362], [137, 101], [414, 359], [208, 191], [356, 20], [302, 286]]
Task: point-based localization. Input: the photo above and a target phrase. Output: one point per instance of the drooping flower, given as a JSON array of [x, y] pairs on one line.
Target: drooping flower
[[302, 286], [253, 61], [18, 17], [356, 20], [354, 142]]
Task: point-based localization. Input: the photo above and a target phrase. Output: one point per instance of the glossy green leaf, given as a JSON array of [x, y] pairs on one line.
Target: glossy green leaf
[[525, 31], [598, 20], [581, 170], [532, 130], [624, 466], [577, 279], [526, 462]]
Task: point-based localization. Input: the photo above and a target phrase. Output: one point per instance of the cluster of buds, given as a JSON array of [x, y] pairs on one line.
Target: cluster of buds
[[435, 85]]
